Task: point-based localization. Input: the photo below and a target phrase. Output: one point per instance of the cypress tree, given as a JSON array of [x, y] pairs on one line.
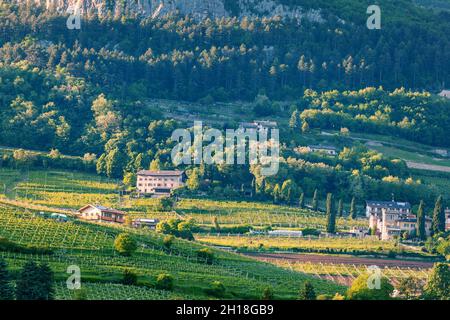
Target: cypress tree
[[340, 209], [331, 215], [253, 187], [6, 290], [315, 203], [276, 193], [438, 217], [353, 212], [421, 232], [301, 201]]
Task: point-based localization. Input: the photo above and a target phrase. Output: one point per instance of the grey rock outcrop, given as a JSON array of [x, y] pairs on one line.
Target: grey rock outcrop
[[197, 8]]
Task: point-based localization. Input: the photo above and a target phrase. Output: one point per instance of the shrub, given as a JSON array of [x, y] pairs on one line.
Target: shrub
[[392, 254], [164, 281], [338, 296], [80, 294], [164, 204], [324, 297], [438, 285], [168, 241], [205, 255], [307, 292], [232, 230], [8, 245], [360, 289], [177, 228], [310, 232], [267, 294], [129, 278], [217, 289], [125, 244], [184, 230]]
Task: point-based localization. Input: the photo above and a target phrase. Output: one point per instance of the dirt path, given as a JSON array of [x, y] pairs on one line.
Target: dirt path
[[328, 259], [423, 166]]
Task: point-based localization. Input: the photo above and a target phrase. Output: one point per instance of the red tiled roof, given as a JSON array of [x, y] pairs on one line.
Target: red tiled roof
[[102, 209]]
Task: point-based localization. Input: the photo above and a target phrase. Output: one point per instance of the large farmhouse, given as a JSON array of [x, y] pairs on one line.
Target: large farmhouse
[[159, 183], [389, 219], [376, 207], [100, 213], [391, 224]]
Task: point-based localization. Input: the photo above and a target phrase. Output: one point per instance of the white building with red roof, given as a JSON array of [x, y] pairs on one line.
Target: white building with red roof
[[159, 183], [102, 214]]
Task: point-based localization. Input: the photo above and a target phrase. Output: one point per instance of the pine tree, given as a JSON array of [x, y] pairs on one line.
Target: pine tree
[[340, 209], [28, 283], [421, 232], [46, 281], [331, 214], [6, 290], [301, 201], [35, 282], [353, 212], [308, 292], [438, 217], [315, 203]]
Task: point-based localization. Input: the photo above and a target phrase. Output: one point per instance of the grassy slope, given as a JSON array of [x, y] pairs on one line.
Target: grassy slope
[[71, 190], [90, 247]]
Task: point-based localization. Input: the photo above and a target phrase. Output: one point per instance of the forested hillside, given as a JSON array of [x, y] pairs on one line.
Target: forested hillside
[[85, 92]]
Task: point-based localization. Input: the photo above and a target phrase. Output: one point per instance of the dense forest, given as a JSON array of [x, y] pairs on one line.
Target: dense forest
[[83, 92], [179, 57]]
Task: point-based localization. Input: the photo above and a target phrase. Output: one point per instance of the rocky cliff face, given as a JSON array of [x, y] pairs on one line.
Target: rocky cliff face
[[197, 8]]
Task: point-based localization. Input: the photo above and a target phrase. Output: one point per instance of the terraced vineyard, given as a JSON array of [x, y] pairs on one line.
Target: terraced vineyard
[[234, 213], [59, 189], [345, 274], [114, 291], [90, 246], [313, 244]]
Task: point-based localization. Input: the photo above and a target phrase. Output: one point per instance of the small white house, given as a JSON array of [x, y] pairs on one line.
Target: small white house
[[259, 125], [101, 213], [329, 150], [145, 223], [286, 233]]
